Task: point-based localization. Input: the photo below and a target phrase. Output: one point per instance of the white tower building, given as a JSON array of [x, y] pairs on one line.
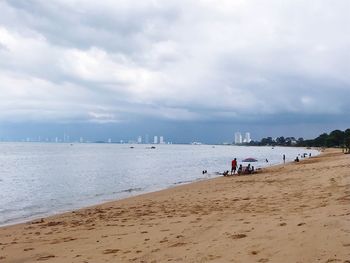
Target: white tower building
[[247, 138], [139, 139], [161, 139], [238, 138], [155, 139]]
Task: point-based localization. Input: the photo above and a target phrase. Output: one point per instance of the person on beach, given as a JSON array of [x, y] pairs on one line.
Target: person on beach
[[296, 159], [240, 169], [233, 166], [284, 158], [247, 169]]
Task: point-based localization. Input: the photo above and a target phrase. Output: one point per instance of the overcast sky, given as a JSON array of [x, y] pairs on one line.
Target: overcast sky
[[192, 70]]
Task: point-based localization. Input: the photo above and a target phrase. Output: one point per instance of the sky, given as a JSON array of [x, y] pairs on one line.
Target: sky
[[188, 70]]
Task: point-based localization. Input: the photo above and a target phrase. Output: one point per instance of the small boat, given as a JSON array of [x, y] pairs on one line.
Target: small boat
[[249, 160], [153, 147]]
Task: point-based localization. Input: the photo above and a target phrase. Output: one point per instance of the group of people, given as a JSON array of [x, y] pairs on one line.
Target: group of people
[[250, 169], [301, 156], [241, 170]]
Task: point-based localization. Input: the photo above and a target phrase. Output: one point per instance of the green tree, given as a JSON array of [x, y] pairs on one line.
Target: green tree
[[280, 140], [320, 141], [267, 141], [336, 138]]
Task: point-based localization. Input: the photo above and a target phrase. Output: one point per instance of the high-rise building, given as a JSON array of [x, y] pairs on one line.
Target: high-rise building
[[139, 139], [155, 139], [238, 138], [161, 139], [247, 138], [146, 139], [65, 137]]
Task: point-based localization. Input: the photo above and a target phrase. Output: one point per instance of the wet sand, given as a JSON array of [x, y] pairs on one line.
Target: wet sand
[[298, 212]]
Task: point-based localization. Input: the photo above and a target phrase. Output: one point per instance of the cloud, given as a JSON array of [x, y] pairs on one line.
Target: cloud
[[79, 61]]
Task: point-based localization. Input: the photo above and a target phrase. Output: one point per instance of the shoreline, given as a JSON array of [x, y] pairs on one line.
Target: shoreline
[[258, 218], [120, 196], [62, 212]]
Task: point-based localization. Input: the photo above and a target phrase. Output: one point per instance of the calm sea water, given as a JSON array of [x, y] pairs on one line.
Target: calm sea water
[[40, 179]]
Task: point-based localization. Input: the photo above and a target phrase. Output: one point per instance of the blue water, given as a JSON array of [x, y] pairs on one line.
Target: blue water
[[40, 179]]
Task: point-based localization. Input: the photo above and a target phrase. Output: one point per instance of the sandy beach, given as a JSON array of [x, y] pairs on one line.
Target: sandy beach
[[298, 212]]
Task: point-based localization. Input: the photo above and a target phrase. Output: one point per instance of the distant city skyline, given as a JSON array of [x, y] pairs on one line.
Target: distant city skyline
[[217, 134]]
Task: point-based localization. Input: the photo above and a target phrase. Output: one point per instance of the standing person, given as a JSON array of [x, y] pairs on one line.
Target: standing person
[[233, 166], [284, 158]]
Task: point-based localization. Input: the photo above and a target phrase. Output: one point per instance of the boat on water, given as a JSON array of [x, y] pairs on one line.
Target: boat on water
[[153, 147]]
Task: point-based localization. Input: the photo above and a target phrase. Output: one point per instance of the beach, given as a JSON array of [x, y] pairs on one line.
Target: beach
[[297, 212]]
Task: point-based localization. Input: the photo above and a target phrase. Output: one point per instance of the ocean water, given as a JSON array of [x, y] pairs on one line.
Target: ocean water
[[40, 179]]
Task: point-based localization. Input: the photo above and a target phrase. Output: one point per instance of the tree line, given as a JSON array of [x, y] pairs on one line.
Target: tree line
[[336, 138]]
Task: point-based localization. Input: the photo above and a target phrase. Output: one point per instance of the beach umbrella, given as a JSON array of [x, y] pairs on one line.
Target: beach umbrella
[[249, 160]]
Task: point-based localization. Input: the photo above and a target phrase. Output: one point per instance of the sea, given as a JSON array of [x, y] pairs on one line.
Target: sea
[[42, 179]]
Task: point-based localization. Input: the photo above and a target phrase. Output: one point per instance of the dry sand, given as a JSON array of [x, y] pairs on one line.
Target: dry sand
[[298, 212]]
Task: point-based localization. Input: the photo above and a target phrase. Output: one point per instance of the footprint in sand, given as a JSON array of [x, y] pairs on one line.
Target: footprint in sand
[[213, 257], [42, 258], [263, 260], [333, 260], [238, 236], [111, 251], [179, 244], [163, 240]]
